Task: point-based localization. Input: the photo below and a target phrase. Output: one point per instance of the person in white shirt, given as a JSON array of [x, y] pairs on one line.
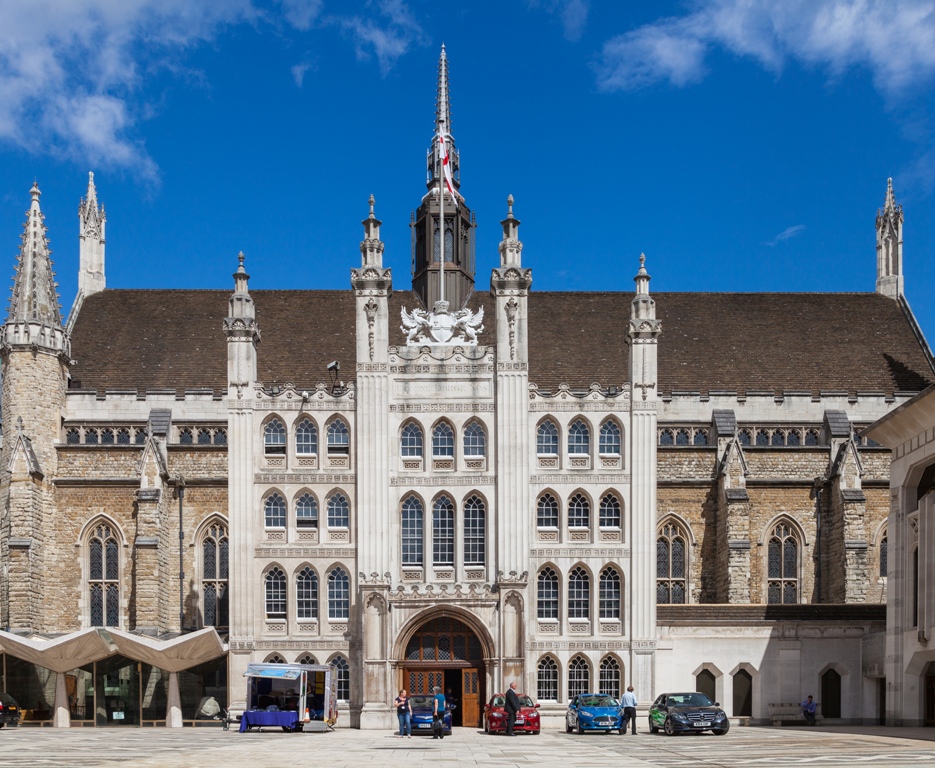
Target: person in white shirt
[[628, 702]]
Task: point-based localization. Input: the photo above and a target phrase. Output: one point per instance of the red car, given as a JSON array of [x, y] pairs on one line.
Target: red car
[[527, 719]]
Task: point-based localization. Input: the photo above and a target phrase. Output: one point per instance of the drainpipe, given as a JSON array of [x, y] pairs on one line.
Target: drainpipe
[[816, 490], [180, 490]]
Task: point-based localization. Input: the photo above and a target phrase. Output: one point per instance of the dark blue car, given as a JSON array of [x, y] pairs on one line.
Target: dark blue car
[[422, 715]]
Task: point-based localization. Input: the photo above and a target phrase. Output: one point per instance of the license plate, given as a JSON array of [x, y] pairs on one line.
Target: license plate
[[519, 720], [701, 725], [425, 725]]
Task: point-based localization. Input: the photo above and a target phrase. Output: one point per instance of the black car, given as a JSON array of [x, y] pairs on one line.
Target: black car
[[683, 712], [9, 711]]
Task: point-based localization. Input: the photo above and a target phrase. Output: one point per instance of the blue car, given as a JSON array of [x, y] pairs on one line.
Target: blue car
[[422, 708], [594, 712]]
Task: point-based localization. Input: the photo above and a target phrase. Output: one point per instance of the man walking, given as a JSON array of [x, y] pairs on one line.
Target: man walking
[[512, 707], [628, 702]]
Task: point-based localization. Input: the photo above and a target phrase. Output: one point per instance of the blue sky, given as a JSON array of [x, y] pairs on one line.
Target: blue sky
[[743, 145]]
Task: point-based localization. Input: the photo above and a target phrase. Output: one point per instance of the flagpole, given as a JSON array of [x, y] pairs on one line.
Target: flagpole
[[441, 217]]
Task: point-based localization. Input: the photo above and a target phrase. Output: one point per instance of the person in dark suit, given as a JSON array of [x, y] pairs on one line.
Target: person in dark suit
[[511, 706]]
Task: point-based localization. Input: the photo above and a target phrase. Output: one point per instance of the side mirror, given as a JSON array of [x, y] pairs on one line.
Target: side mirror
[[537, 706], [717, 703]]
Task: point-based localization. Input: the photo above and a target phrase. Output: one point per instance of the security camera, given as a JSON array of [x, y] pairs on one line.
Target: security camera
[[334, 365]]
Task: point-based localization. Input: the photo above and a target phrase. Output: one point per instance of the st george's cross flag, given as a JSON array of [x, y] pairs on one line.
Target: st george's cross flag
[[446, 166]]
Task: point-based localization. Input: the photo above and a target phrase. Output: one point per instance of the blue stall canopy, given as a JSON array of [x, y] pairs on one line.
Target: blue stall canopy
[[277, 671]]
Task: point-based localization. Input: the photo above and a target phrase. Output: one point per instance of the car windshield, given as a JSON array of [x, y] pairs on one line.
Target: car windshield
[[597, 700], [420, 701], [525, 701], [689, 700]]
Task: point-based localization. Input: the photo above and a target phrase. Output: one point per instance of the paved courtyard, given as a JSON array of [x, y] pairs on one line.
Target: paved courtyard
[[210, 748]]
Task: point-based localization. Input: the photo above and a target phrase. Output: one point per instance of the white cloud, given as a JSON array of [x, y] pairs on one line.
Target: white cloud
[[573, 15], [786, 234], [388, 38], [893, 39], [298, 73], [301, 13]]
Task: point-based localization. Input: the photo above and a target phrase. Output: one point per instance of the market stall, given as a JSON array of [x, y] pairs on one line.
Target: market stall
[[290, 696]]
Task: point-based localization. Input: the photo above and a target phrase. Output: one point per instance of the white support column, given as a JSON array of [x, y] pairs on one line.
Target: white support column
[[62, 716], [173, 702]]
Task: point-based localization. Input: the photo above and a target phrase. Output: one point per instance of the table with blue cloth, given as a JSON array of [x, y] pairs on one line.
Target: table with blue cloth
[[258, 718]]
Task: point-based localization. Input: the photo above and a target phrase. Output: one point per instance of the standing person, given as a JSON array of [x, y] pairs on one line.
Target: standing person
[[438, 713], [511, 706], [404, 714], [628, 702], [808, 710]]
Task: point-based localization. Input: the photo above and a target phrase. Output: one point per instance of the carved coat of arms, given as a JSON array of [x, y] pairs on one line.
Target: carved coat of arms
[[441, 326]]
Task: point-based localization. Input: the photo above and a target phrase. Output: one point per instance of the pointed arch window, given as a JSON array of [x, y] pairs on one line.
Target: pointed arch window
[[307, 659], [91, 437], [204, 437], [339, 511], [107, 437], [274, 511], [666, 437], [812, 437], [609, 676], [547, 439], [579, 594], [609, 439], [306, 511], [547, 680], [610, 512], [883, 556], [342, 678], [475, 440], [215, 557], [275, 594], [547, 511], [123, 436], [579, 512], [443, 441], [306, 594], [220, 437], [670, 565], [762, 437], [547, 594], [443, 532], [579, 676], [411, 531], [609, 596], [744, 437], [579, 438], [339, 440], [410, 441], [140, 437], [682, 437], [339, 594], [782, 566], [700, 437], [306, 438], [449, 241], [72, 436], [104, 577], [475, 532], [274, 438]]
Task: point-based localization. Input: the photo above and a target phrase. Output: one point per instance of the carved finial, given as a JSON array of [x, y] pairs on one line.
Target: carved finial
[[643, 263], [35, 191], [371, 201], [240, 268], [509, 206]]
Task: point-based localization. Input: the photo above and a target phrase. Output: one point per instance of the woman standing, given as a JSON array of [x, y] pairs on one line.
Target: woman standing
[[404, 714]]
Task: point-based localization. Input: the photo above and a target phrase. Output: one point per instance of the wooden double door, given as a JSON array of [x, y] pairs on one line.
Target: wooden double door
[[462, 684]]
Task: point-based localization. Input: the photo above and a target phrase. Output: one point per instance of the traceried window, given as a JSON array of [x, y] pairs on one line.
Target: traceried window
[[811, 437], [793, 437], [274, 511], [339, 441], [275, 594], [883, 557], [140, 437], [744, 437], [306, 438], [779, 438], [339, 594], [682, 437], [215, 557], [670, 565], [411, 531], [306, 511], [609, 596], [475, 440], [782, 566], [609, 676], [579, 676], [104, 577], [123, 436], [579, 594], [547, 511], [443, 532], [443, 441], [474, 531], [107, 437], [547, 680], [275, 659], [609, 439], [410, 441], [72, 436], [342, 678], [666, 437], [579, 512], [547, 439], [762, 437], [306, 594], [547, 594], [449, 241], [339, 514], [91, 437], [204, 437], [274, 438], [186, 436], [610, 512], [700, 437], [307, 659], [579, 438]]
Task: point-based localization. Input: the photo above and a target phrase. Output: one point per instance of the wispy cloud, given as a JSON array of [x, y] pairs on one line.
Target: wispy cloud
[[893, 39], [786, 234], [573, 15], [298, 73], [388, 38]]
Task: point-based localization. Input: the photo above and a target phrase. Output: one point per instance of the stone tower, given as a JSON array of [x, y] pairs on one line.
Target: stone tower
[[35, 353], [890, 246], [92, 221]]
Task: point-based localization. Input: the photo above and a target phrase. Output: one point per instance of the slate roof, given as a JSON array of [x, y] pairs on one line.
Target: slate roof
[[747, 342]]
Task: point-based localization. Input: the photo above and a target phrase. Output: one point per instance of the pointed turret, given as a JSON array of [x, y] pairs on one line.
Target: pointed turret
[[371, 247], [644, 332], [91, 224], [890, 246], [243, 334]]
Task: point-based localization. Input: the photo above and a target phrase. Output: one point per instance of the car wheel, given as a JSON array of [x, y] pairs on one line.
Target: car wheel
[[721, 731], [568, 728], [486, 726], [652, 726], [669, 727], [535, 733], [580, 729]]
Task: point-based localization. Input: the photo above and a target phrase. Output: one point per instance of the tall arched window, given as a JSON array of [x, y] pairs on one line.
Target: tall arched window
[[306, 594], [339, 594], [274, 511], [783, 566], [104, 577], [547, 511], [215, 556], [306, 438], [579, 438], [274, 438], [579, 512], [609, 676], [547, 594], [342, 678], [410, 441], [883, 557], [443, 441], [411, 531], [339, 441], [547, 680], [609, 444], [547, 439], [610, 512], [306, 511], [579, 676], [670, 565], [339, 514], [443, 532], [609, 595], [275, 594], [475, 440], [579, 594], [474, 531]]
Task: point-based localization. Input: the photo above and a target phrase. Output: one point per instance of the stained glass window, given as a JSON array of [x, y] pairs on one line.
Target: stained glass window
[[104, 577], [782, 565]]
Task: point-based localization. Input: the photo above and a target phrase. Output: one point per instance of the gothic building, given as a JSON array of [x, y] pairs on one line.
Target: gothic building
[[444, 482]]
